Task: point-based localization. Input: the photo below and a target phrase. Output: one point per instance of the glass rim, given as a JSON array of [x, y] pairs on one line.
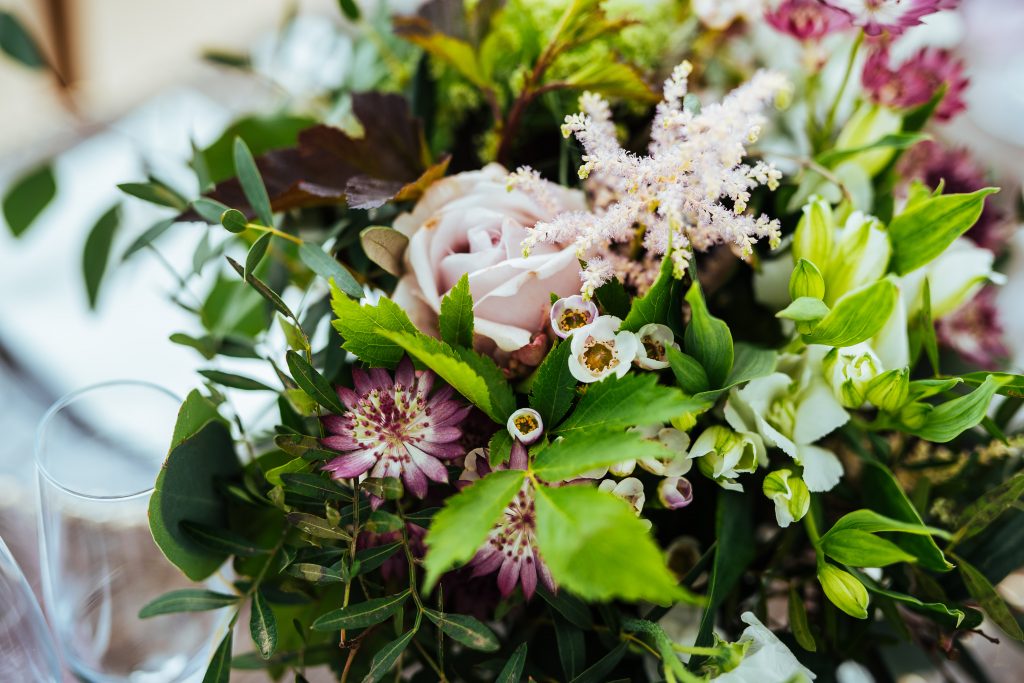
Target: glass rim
[[66, 400]]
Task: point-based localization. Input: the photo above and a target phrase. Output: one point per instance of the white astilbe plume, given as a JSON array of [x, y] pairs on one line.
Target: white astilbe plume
[[675, 194]]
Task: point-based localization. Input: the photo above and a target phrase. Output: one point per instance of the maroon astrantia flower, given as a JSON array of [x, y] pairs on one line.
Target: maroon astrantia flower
[[511, 547], [934, 163], [974, 331], [807, 19], [395, 428], [889, 16], [916, 80]]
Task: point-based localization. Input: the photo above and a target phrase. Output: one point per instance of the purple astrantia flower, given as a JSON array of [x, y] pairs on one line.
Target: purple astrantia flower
[[889, 16], [395, 428], [570, 314], [915, 81], [807, 19], [511, 547], [975, 332]]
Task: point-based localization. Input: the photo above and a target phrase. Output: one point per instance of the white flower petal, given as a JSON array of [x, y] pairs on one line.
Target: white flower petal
[[822, 469]]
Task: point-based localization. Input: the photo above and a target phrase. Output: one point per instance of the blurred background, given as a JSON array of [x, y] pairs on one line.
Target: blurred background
[[114, 91]]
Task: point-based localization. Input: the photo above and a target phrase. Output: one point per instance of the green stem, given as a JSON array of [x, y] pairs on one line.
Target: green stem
[[851, 60]]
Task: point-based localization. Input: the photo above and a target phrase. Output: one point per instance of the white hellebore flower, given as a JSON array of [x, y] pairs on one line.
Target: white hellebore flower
[[654, 339], [850, 370], [526, 425], [792, 412], [767, 659], [954, 277], [725, 454], [598, 350], [790, 495]]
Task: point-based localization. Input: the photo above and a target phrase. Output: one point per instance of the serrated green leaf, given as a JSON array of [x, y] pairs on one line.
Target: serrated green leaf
[[219, 669], [465, 629], [584, 533], [251, 182], [634, 399], [28, 196], [456, 318], [554, 387], [364, 327], [950, 419], [595, 448], [97, 251], [499, 447], [512, 672], [708, 339], [313, 383], [187, 600], [327, 267], [920, 234], [362, 614], [263, 626], [386, 657], [994, 605], [862, 549], [857, 316], [461, 527]]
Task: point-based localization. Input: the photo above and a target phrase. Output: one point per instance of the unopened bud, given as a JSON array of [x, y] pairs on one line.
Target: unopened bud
[[844, 590], [888, 391]]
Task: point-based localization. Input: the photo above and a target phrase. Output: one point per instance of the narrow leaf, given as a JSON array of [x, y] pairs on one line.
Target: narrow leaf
[[994, 605], [362, 614], [263, 626], [148, 237], [233, 381], [798, 625], [313, 383], [465, 629], [386, 657], [97, 251], [186, 600], [952, 418], [252, 183], [327, 267], [219, 669], [28, 196], [263, 288], [256, 253], [512, 672]]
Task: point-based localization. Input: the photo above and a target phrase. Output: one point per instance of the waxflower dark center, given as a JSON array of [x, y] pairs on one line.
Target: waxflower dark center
[[526, 423], [573, 319], [599, 357], [655, 350]]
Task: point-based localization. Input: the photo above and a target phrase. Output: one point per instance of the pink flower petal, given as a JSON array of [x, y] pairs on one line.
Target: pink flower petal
[[446, 451], [335, 424], [430, 465], [528, 577], [405, 374], [351, 465], [508, 577], [545, 575], [487, 563], [415, 480], [348, 397]]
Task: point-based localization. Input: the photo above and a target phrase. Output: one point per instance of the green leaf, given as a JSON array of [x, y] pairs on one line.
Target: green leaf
[[952, 418], [870, 521], [155, 192], [18, 44], [602, 669], [97, 251], [804, 309], [212, 211], [572, 652], [256, 253], [187, 600], [386, 657], [989, 507], [654, 306], [362, 614], [832, 158], [327, 267], [313, 383], [584, 534], [734, 550], [28, 196], [252, 183], [234, 221], [569, 606], [856, 316], [364, 327], [689, 373], [798, 625], [614, 298], [862, 549], [708, 339], [462, 526], [613, 79], [315, 573], [1010, 384], [350, 9], [751, 362], [229, 379], [922, 233], [194, 413], [148, 237], [453, 51], [951, 617], [456, 318], [994, 605], [582, 451], [883, 493], [263, 288], [263, 626], [219, 669], [318, 527], [465, 629], [188, 489], [500, 447], [554, 387], [921, 330], [634, 399], [371, 558], [222, 540], [314, 486], [512, 672], [472, 375]]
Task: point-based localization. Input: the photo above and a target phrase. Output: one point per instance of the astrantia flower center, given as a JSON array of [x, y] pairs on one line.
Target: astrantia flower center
[[573, 319], [599, 357]]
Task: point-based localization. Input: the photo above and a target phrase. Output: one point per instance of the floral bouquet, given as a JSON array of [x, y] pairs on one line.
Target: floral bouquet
[[705, 387]]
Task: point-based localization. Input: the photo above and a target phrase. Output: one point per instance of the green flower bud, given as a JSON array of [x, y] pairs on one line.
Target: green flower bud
[[860, 258], [790, 495], [724, 454], [684, 422], [913, 415], [806, 280], [889, 390], [813, 238], [850, 370], [844, 590]]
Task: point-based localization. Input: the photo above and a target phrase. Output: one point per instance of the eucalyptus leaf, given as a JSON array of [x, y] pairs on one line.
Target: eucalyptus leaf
[[29, 195], [465, 629], [362, 614], [97, 251], [252, 183], [263, 626], [187, 600], [256, 253], [327, 267]]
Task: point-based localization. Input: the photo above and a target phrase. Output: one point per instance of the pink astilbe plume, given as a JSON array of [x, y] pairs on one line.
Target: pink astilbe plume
[[691, 190]]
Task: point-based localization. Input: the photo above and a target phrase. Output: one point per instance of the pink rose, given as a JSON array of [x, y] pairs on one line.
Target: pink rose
[[472, 223]]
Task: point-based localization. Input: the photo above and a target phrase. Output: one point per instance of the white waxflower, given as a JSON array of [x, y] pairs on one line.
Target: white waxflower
[[792, 411], [725, 454], [630, 490], [598, 350], [654, 339], [850, 370], [766, 660], [526, 425], [675, 465]]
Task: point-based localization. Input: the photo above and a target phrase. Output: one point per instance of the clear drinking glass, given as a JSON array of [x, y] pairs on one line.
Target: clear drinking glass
[[98, 453], [26, 646]]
